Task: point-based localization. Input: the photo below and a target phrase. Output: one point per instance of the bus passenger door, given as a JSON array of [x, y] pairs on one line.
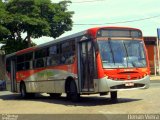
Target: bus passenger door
[[86, 66], [13, 75]]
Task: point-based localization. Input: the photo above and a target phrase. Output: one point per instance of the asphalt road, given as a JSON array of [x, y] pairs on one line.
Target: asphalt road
[[129, 102]]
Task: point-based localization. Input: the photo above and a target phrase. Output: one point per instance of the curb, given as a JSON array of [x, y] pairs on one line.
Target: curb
[[155, 81]]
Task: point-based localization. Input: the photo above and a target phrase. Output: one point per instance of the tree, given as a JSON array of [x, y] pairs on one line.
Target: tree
[[36, 18], [3, 30]]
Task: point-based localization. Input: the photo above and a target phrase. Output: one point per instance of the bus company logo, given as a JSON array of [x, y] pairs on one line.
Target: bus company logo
[[9, 117], [129, 77]]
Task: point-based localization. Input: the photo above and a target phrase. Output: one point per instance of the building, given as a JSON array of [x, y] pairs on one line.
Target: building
[[151, 45]]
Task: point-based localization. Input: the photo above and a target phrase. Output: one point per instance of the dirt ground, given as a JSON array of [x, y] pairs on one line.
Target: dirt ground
[[129, 102]]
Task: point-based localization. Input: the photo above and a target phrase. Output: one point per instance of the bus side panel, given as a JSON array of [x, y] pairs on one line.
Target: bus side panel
[[48, 80]]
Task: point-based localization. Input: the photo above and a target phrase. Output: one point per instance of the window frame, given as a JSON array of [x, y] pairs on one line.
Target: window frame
[[24, 62]]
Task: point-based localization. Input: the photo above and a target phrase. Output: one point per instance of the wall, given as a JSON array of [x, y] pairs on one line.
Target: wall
[[150, 43]]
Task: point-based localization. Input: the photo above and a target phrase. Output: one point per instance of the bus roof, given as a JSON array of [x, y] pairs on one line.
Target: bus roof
[[92, 31], [45, 44]]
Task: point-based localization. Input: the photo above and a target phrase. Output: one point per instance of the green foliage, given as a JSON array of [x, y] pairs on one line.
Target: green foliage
[[3, 30], [37, 18], [12, 45]]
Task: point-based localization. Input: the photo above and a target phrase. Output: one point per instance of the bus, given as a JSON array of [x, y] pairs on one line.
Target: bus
[[100, 60]]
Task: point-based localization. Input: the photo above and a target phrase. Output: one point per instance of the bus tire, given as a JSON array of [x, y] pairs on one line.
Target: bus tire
[[55, 95], [23, 91], [73, 94], [113, 95]]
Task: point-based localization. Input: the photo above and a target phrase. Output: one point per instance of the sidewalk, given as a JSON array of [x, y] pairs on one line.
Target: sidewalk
[[154, 78]]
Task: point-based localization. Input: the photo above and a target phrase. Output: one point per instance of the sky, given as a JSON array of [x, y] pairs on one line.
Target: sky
[[104, 12]]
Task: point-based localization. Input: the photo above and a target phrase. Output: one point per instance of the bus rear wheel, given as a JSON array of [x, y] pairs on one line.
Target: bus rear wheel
[[23, 92], [113, 96], [72, 93]]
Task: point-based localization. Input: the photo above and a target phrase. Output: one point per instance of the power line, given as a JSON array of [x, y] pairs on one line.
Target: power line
[[127, 21], [89, 1]]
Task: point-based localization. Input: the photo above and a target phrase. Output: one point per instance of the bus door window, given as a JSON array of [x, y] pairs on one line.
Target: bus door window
[[90, 64], [87, 65], [83, 64]]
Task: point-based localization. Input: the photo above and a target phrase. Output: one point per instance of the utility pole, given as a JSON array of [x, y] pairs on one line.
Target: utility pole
[[155, 60], [158, 49]]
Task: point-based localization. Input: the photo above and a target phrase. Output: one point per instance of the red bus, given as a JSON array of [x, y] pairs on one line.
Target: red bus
[[98, 60]]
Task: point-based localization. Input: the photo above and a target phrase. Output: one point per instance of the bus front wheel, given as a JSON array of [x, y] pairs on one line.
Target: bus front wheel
[[113, 95], [72, 93]]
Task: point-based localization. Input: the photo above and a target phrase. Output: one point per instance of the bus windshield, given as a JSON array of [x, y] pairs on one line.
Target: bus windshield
[[122, 53]]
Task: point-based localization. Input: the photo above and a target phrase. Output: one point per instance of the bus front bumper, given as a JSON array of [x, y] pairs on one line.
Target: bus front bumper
[[106, 85]]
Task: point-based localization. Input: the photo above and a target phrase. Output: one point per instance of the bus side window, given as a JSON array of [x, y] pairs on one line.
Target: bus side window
[[20, 66], [67, 52], [28, 60], [20, 62], [29, 56], [53, 58], [20, 58], [40, 58], [40, 63], [41, 53]]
